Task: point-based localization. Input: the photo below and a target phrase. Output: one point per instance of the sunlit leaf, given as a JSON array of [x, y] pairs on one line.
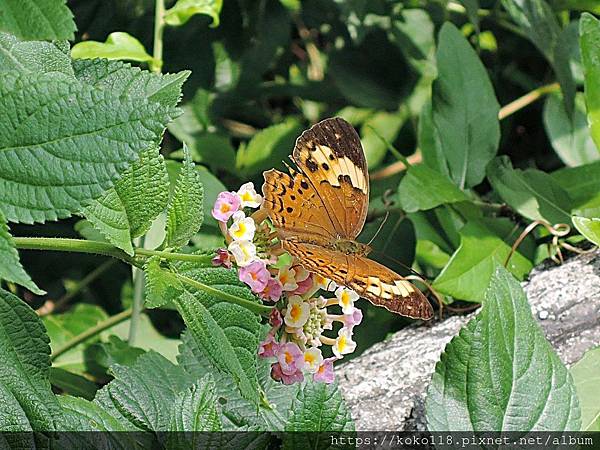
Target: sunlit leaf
[[118, 45]]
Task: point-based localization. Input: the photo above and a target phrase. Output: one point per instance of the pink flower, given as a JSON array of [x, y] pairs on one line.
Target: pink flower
[[278, 375], [255, 275], [226, 204], [325, 373], [275, 318], [268, 347], [222, 258], [272, 290], [355, 318], [304, 286], [290, 357]]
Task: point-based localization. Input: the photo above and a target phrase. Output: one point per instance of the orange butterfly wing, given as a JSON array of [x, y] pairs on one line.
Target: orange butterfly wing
[[371, 280]]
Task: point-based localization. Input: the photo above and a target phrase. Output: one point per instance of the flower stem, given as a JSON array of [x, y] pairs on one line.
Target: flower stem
[[159, 28], [174, 256], [248, 304], [91, 332], [138, 296], [527, 99]]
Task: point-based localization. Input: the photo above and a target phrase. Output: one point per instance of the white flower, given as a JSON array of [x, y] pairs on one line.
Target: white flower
[[297, 312], [243, 228], [287, 278], [312, 359], [244, 252], [248, 196], [324, 283], [346, 298], [344, 343]]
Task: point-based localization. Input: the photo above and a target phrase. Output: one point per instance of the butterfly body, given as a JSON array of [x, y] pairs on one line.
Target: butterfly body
[[319, 210]]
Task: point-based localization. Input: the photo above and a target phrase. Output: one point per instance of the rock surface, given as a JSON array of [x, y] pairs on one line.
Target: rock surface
[[385, 387]]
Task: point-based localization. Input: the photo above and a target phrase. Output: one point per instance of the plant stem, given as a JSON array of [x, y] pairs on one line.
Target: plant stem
[[248, 304], [96, 329], [74, 245], [527, 99], [138, 296], [159, 28], [174, 256]]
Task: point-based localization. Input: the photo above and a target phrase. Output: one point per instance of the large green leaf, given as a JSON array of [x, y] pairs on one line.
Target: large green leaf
[[33, 56], [226, 333], [83, 415], [37, 19], [144, 393], [127, 210], [570, 136], [471, 267], [183, 11], [72, 144], [500, 373], [185, 213], [465, 109], [271, 414], [318, 407], [118, 45], [532, 193], [25, 354], [586, 377], [581, 183], [589, 31], [423, 188], [11, 269], [268, 147]]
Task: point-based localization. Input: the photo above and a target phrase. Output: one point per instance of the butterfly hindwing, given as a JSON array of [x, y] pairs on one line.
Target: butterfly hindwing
[[378, 284], [331, 156]]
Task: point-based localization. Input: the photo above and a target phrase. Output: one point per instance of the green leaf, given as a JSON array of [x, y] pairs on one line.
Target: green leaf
[[532, 193], [318, 407], [429, 142], [33, 56], [380, 125], [586, 376], [101, 355], [581, 183], [541, 26], [195, 409], [126, 81], [272, 413], [185, 213], [144, 393], [127, 210], [471, 267], [37, 19], [500, 373], [72, 144], [423, 188], [183, 11], [162, 286], [590, 228], [11, 269], [429, 254], [84, 415], [465, 109], [268, 147], [73, 384], [570, 136], [13, 419], [118, 45], [25, 363], [589, 32], [63, 327]]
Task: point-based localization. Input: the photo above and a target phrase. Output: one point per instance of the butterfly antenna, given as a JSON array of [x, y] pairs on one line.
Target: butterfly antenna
[[385, 218]]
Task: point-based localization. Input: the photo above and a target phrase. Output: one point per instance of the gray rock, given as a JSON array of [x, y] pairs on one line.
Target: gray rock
[[385, 387]]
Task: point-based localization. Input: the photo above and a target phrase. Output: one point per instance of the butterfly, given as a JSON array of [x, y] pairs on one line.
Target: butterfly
[[319, 210]]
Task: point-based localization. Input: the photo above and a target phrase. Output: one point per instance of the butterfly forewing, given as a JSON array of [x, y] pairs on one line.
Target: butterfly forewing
[[378, 284], [331, 156]]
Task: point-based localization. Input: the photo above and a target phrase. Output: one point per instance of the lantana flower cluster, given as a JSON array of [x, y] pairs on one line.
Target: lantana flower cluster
[[303, 321]]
